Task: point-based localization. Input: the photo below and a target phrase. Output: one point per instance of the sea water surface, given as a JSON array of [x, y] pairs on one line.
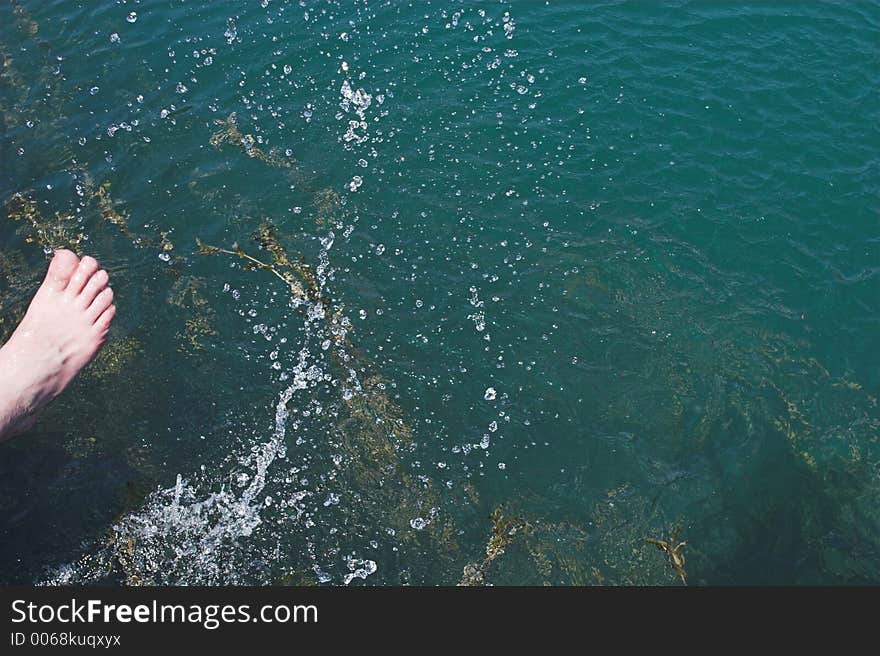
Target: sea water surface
[[538, 282]]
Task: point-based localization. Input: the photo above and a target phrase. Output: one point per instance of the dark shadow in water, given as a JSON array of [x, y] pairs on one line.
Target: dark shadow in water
[[782, 521], [50, 501]]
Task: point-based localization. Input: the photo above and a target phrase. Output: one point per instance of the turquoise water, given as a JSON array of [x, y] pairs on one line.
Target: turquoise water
[[609, 267]]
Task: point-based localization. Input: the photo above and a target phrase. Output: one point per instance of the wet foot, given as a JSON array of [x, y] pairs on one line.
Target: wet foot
[[63, 329]]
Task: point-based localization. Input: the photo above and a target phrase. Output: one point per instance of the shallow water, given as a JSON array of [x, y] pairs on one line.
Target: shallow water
[[612, 268]]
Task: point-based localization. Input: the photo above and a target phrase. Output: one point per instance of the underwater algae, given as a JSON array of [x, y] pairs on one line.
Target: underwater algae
[[24, 20], [188, 293], [327, 203], [62, 231], [297, 276], [504, 531], [229, 134], [107, 205], [673, 550]]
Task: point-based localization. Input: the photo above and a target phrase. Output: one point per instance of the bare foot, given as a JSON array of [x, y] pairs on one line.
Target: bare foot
[[63, 329]]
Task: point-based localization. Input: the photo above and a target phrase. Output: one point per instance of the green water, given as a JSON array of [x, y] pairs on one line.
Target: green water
[[652, 230]]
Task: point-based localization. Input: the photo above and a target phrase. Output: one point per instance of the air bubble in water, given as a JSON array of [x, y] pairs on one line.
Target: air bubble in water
[[132, 17], [231, 33], [360, 569]]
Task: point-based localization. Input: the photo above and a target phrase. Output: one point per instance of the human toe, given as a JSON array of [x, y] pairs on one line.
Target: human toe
[[61, 268], [102, 301], [96, 284], [102, 324], [86, 269]]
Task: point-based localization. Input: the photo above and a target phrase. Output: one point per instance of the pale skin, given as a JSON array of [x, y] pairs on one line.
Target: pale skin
[[65, 326]]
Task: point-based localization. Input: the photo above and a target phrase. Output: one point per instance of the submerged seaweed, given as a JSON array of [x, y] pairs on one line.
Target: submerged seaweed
[[672, 548], [229, 134], [107, 206], [327, 203], [61, 231], [296, 275], [188, 294], [504, 531]]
